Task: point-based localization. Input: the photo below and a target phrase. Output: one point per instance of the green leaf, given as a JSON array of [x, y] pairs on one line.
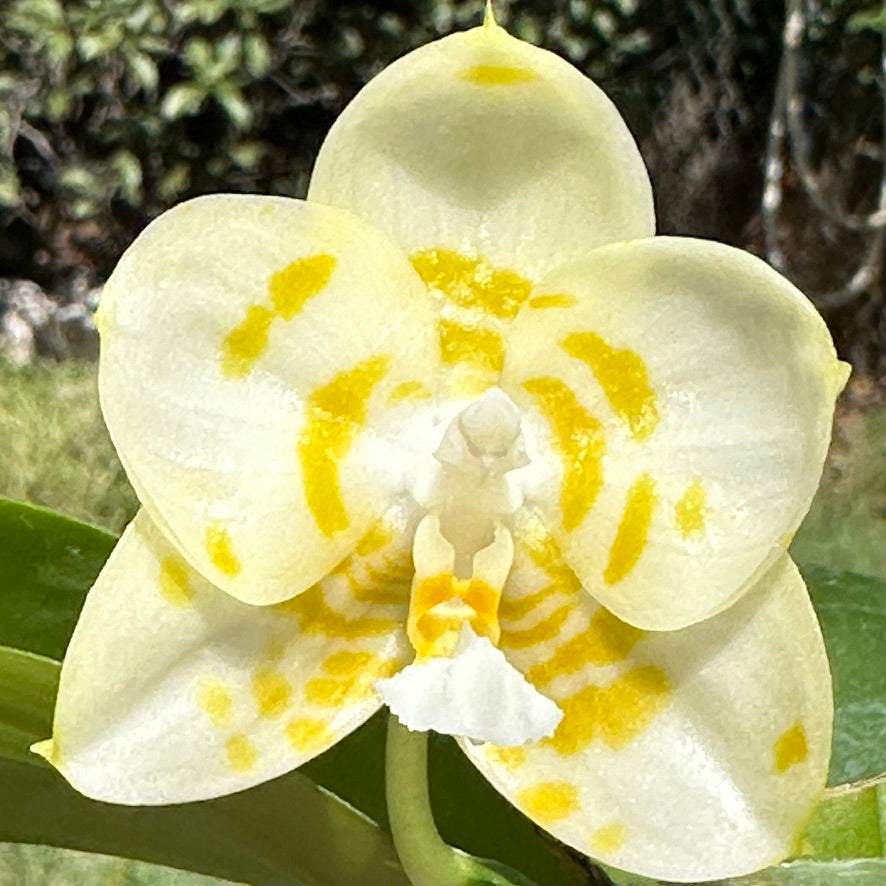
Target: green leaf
[[26, 701], [47, 564], [852, 612], [287, 832], [849, 823], [49, 864], [182, 100]]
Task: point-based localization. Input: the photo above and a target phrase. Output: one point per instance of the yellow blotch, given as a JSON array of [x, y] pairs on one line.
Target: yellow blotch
[[383, 589], [546, 629], [497, 75], [615, 714], [302, 280], [343, 664], [374, 540], [436, 635], [791, 748], [216, 702], [331, 692], [581, 442], [335, 415], [606, 640], [272, 693], [241, 753], [471, 345], [609, 838], [410, 391], [220, 550], [244, 344], [623, 376], [175, 584], [510, 758], [473, 283], [689, 512], [542, 302], [316, 617], [546, 554], [307, 734], [633, 531], [549, 801], [517, 608]]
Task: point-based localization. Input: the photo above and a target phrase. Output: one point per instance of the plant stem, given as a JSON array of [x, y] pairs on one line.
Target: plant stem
[[426, 858]]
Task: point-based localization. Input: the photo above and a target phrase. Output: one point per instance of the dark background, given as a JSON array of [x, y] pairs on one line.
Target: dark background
[[766, 136]]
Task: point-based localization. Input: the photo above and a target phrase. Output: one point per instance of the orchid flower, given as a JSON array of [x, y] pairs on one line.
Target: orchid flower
[[459, 435]]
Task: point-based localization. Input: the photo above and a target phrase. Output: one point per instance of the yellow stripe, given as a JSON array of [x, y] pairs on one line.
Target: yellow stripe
[[614, 714], [581, 443], [318, 618], [175, 584], [517, 608], [624, 378], [335, 415], [471, 345], [542, 302], [409, 390], [633, 531], [289, 291], [606, 640], [220, 550], [497, 75], [690, 510], [473, 283], [272, 692], [546, 629], [549, 801], [302, 280], [244, 344]]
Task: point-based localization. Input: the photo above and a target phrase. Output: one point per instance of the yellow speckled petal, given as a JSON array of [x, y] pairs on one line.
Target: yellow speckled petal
[[483, 146], [253, 351], [684, 401], [688, 755], [168, 696]]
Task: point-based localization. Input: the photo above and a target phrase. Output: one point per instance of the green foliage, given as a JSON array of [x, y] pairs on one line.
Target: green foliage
[[66, 867]]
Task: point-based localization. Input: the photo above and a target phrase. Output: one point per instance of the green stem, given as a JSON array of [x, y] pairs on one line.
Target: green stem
[[426, 858]]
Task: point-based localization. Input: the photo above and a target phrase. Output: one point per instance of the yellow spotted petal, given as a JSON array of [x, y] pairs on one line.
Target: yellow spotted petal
[[254, 354], [688, 755], [486, 159], [683, 401], [172, 691]]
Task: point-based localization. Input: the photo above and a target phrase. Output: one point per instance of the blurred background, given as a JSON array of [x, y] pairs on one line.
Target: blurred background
[[762, 124]]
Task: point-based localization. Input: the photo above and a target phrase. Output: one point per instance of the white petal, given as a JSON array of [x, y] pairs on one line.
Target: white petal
[[489, 147], [475, 694], [173, 691], [260, 363], [682, 392], [688, 755]]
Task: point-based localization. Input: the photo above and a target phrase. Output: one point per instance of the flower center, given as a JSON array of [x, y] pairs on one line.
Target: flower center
[[463, 550]]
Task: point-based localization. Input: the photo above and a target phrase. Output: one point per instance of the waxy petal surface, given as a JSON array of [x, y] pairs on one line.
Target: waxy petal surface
[[172, 691], [687, 755], [480, 146], [683, 393], [262, 358]]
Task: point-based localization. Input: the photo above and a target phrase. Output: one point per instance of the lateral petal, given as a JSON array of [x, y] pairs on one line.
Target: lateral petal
[[683, 393], [254, 355]]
